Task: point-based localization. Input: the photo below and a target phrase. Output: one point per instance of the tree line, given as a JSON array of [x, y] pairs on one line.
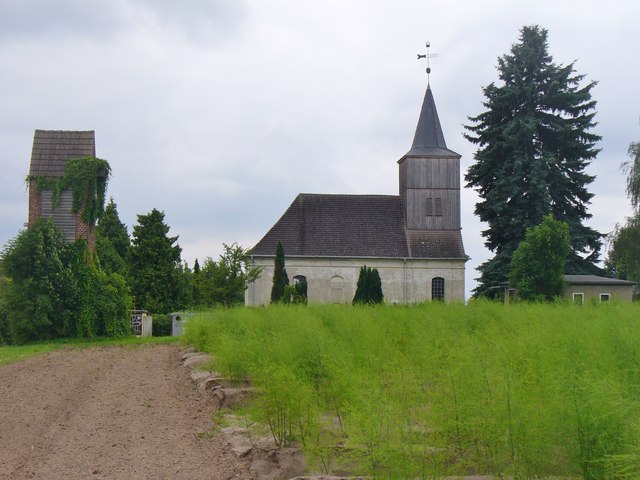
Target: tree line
[[52, 289]]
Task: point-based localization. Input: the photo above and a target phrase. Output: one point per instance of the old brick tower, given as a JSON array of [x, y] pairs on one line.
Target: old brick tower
[[52, 149]]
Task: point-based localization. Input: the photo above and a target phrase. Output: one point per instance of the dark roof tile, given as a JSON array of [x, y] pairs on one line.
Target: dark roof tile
[[435, 244], [429, 139], [324, 225], [52, 149]]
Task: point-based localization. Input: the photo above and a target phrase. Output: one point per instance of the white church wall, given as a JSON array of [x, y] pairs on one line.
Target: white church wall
[[333, 280]]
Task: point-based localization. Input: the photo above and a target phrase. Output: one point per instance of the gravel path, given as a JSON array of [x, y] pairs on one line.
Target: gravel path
[[108, 413]]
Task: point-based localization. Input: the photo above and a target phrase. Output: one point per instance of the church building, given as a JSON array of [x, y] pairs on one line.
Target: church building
[[414, 239]]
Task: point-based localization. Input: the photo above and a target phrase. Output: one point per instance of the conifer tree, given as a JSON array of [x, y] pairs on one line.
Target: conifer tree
[[111, 228], [369, 287], [112, 241], [195, 296], [280, 278], [534, 144], [155, 265]]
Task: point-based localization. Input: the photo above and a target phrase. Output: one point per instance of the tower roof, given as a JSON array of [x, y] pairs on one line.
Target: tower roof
[[429, 139], [53, 148]]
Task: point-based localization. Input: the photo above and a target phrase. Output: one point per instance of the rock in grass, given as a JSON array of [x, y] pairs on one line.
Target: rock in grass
[[199, 359]]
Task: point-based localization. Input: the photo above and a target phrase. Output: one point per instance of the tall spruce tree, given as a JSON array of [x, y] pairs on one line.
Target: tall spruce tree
[[534, 144], [280, 278]]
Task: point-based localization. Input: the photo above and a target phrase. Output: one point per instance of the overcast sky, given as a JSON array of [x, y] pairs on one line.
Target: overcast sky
[[220, 112]]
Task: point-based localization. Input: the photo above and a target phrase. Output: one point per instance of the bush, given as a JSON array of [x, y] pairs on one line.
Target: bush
[[55, 292], [161, 325]]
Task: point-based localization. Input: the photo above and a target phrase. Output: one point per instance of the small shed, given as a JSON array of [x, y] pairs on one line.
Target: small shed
[[141, 323], [581, 288]]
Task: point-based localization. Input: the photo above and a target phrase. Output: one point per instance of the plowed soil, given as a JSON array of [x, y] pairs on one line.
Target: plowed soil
[[109, 413]]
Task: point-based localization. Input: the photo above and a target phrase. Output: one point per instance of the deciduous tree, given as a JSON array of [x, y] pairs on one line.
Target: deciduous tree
[[225, 281], [537, 266], [55, 293], [623, 260], [632, 169]]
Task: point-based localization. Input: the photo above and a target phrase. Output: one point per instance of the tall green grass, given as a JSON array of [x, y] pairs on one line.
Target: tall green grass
[[526, 390]]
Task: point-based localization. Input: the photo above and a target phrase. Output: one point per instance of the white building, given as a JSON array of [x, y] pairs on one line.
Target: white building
[[413, 239]]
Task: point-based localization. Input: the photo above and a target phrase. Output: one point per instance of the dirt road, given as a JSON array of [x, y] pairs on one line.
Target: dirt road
[[108, 413]]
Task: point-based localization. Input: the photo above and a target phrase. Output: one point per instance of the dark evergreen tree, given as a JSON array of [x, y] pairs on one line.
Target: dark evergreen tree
[[375, 288], [369, 287], [280, 278], [155, 265], [534, 144], [195, 296], [111, 228], [112, 241]]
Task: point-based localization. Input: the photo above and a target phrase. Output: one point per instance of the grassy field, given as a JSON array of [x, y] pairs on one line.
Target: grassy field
[[442, 389], [14, 353]]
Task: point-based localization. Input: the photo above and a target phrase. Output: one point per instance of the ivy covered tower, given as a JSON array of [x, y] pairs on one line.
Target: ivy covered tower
[[52, 149]]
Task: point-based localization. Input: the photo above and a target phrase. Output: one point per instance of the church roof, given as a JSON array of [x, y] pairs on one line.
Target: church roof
[[328, 225], [52, 149], [429, 139]]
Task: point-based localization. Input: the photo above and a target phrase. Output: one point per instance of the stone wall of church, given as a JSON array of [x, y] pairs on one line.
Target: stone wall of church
[[333, 280]]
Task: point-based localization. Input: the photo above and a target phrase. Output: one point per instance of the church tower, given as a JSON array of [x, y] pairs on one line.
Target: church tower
[[430, 176]]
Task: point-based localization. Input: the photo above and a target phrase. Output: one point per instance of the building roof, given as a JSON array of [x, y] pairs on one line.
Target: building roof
[[595, 280], [52, 149], [328, 225], [429, 139]]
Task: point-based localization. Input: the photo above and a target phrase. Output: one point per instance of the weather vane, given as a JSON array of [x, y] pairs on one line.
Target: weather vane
[[428, 56]]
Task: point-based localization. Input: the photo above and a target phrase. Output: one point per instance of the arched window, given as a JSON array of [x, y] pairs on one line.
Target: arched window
[[300, 282], [337, 282], [437, 288]]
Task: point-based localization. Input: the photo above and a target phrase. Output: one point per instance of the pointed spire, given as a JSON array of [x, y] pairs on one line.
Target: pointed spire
[[429, 139]]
